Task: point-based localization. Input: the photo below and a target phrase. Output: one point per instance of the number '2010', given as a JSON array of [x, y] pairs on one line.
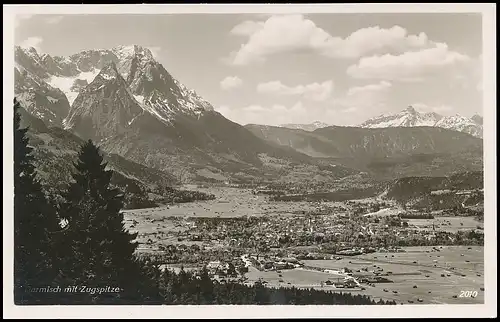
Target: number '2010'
[[468, 293]]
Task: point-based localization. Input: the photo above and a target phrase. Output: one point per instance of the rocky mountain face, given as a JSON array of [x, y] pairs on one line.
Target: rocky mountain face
[[402, 151], [412, 118], [461, 124], [306, 127], [104, 108], [127, 101], [34, 93]]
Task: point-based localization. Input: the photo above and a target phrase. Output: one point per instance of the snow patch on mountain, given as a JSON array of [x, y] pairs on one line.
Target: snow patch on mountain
[[412, 118], [108, 77], [139, 99], [145, 79], [406, 118], [159, 109], [191, 100], [65, 84], [126, 52], [462, 124]]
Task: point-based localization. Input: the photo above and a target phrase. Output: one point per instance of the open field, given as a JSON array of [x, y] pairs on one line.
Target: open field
[[229, 202], [450, 224], [406, 273], [290, 277]]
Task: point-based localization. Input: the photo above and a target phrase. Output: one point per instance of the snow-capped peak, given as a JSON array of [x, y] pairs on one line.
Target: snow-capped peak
[[130, 51], [410, 117], [132, 67], [31, 51], [453, 120], [320, 124]]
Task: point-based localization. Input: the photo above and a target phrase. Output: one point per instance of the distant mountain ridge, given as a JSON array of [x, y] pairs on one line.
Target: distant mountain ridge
[[410, 117], [398, 151], [306, 127]]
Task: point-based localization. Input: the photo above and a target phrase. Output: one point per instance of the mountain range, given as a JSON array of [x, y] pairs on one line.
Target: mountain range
[[397, 151], [127, 102], [306, 127], [410, 117]]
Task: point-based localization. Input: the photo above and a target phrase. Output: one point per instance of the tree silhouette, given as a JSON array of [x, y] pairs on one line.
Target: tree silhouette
[[99, 248], [34, 221]]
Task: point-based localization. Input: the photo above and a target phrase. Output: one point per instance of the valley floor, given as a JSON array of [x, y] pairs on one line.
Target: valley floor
[[420, 275]]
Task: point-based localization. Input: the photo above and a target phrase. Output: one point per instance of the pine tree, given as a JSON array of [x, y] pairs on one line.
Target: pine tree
[[100, 250], [34, 223]]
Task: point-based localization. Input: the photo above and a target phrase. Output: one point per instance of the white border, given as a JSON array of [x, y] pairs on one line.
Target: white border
[[227, 311]]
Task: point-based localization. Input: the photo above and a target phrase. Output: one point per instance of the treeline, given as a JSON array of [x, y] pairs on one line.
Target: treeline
[[76, 250], [416, 216], [442, 238], [189, 288], [171, 195]]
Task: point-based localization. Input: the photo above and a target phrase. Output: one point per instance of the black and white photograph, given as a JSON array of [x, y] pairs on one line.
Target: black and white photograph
[[253, 157]]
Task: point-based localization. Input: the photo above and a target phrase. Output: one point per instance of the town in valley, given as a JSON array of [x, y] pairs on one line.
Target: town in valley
[[250, 158]]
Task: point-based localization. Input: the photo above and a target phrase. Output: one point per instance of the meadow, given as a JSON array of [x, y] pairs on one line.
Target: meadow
[[229, 202], [423, 267], [449, 224]]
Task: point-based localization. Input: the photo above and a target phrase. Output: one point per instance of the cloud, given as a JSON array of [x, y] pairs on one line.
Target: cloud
[[286, 33], [272, 115], [247, 28], [32, 42], [230, 82], [357, 90], [437, 108], [313, 91], [359, 98], [409, 66], [478, 73], [466, 76], [351, 109], [19, 18], [54, 19]]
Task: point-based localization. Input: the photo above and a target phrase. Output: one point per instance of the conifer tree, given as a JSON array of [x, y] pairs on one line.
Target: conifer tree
[[100, 250], [34, 223]]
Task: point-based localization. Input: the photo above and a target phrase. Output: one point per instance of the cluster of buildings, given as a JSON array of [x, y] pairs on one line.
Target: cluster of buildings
[[264, 263], [333, 229], [289, 230]]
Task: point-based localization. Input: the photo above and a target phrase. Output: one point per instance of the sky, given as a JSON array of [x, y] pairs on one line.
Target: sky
[[337, 68]]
